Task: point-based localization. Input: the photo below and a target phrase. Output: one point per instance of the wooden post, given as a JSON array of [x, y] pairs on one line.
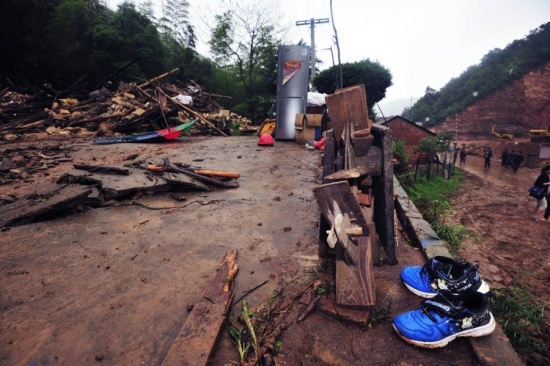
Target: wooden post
[[162, 76], [383, 192]]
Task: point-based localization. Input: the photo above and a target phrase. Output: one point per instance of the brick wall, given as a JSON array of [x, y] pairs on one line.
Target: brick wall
[[518, 107], [408, 132]]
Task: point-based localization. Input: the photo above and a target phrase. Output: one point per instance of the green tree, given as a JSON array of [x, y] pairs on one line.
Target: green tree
[[373, 75], [136, 38], [22, 27], [434, 144], [246, 37]]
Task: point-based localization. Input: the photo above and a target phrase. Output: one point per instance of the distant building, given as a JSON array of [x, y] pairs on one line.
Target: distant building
[[407, 131]]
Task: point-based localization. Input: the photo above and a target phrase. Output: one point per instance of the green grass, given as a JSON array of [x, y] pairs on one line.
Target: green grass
[[434, 189], [522, 318], [431, 197], [452, 234]]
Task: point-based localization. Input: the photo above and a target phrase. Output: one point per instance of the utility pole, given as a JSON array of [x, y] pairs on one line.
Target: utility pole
[[336, 78], [312, 23]]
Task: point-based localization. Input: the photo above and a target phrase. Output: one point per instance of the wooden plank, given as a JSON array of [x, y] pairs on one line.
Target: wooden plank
[[104, 169], [362, 145], [376, 249], [347, 173], [339, 193], [356, 106], [48, 201], [203, 178], [383, 193], [329, 155], [119, 186], [348, 104], [355, 284], [338, 116], [327, 306], [195, 342]]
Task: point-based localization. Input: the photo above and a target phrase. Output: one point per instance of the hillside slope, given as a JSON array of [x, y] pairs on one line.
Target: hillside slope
[[518, 107]]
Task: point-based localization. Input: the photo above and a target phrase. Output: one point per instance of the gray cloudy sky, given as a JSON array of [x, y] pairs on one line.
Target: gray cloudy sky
[[422, 42]]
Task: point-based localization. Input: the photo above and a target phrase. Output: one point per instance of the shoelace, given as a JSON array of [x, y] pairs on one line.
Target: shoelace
[[440, 305]]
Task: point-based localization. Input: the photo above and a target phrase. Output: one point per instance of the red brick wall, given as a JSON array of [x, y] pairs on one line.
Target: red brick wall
[[409, 133], [518, 107]]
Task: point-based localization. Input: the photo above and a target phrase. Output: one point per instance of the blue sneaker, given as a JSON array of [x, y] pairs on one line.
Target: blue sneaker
[[444, 318], [443, 273]]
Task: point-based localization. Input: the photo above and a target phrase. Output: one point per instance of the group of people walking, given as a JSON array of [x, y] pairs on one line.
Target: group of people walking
[[512, 159], [542, 207]]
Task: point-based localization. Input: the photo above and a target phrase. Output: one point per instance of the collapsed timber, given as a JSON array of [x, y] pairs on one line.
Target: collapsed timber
[[40, 112], [89, 186]]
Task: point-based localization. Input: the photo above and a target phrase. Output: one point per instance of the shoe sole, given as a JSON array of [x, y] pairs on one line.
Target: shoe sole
[[474, 332], [483, 288]]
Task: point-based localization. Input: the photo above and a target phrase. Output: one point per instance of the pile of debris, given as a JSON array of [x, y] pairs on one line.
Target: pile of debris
[[97, 185], [131, 108], [21, 164]]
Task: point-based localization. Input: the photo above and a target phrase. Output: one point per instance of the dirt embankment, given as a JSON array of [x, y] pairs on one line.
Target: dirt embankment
[[510, 248]]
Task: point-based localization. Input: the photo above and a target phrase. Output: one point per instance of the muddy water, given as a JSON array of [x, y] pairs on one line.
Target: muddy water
[[522, 179]]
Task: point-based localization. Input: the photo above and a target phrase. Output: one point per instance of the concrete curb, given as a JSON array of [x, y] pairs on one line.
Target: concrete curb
[[491, 350]]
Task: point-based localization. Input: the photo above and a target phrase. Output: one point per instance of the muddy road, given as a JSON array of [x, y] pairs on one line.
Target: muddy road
[[114, 285]]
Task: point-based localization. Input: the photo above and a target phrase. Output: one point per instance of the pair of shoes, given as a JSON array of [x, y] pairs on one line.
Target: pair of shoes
[[456, 303]]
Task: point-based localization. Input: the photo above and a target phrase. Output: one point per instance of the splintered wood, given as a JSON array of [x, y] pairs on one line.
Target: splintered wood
[[126, 109], [354, 272], [195, 342], [348, 104], [354, 201]]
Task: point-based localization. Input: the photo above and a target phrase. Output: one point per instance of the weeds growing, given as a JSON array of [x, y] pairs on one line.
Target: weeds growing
[[431, 197], [522, 318]]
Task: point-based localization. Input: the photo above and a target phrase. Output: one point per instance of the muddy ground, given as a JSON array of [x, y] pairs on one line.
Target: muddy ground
[[114, 285], [510, 248]]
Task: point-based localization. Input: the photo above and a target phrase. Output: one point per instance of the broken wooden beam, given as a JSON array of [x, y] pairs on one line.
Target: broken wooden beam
[[338, 195], [217, 173], [44, 203], [355, 284], [157, 78], [196, 340], [102, 169], [213, 181], [348, 104]]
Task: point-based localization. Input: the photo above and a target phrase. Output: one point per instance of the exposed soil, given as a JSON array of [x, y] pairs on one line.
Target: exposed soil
[[113, 286], [510, 248]]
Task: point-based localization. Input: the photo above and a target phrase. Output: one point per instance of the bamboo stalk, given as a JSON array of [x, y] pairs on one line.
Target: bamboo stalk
[[162, 76]]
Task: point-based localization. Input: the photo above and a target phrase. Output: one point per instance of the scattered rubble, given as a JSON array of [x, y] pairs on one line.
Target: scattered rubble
[[28, 114]]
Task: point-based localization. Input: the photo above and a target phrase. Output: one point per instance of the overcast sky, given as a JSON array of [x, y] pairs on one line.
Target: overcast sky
[[422, 42]]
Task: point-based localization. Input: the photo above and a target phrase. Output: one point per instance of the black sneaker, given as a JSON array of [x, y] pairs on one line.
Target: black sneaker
[[444, 318], [443, 273]]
